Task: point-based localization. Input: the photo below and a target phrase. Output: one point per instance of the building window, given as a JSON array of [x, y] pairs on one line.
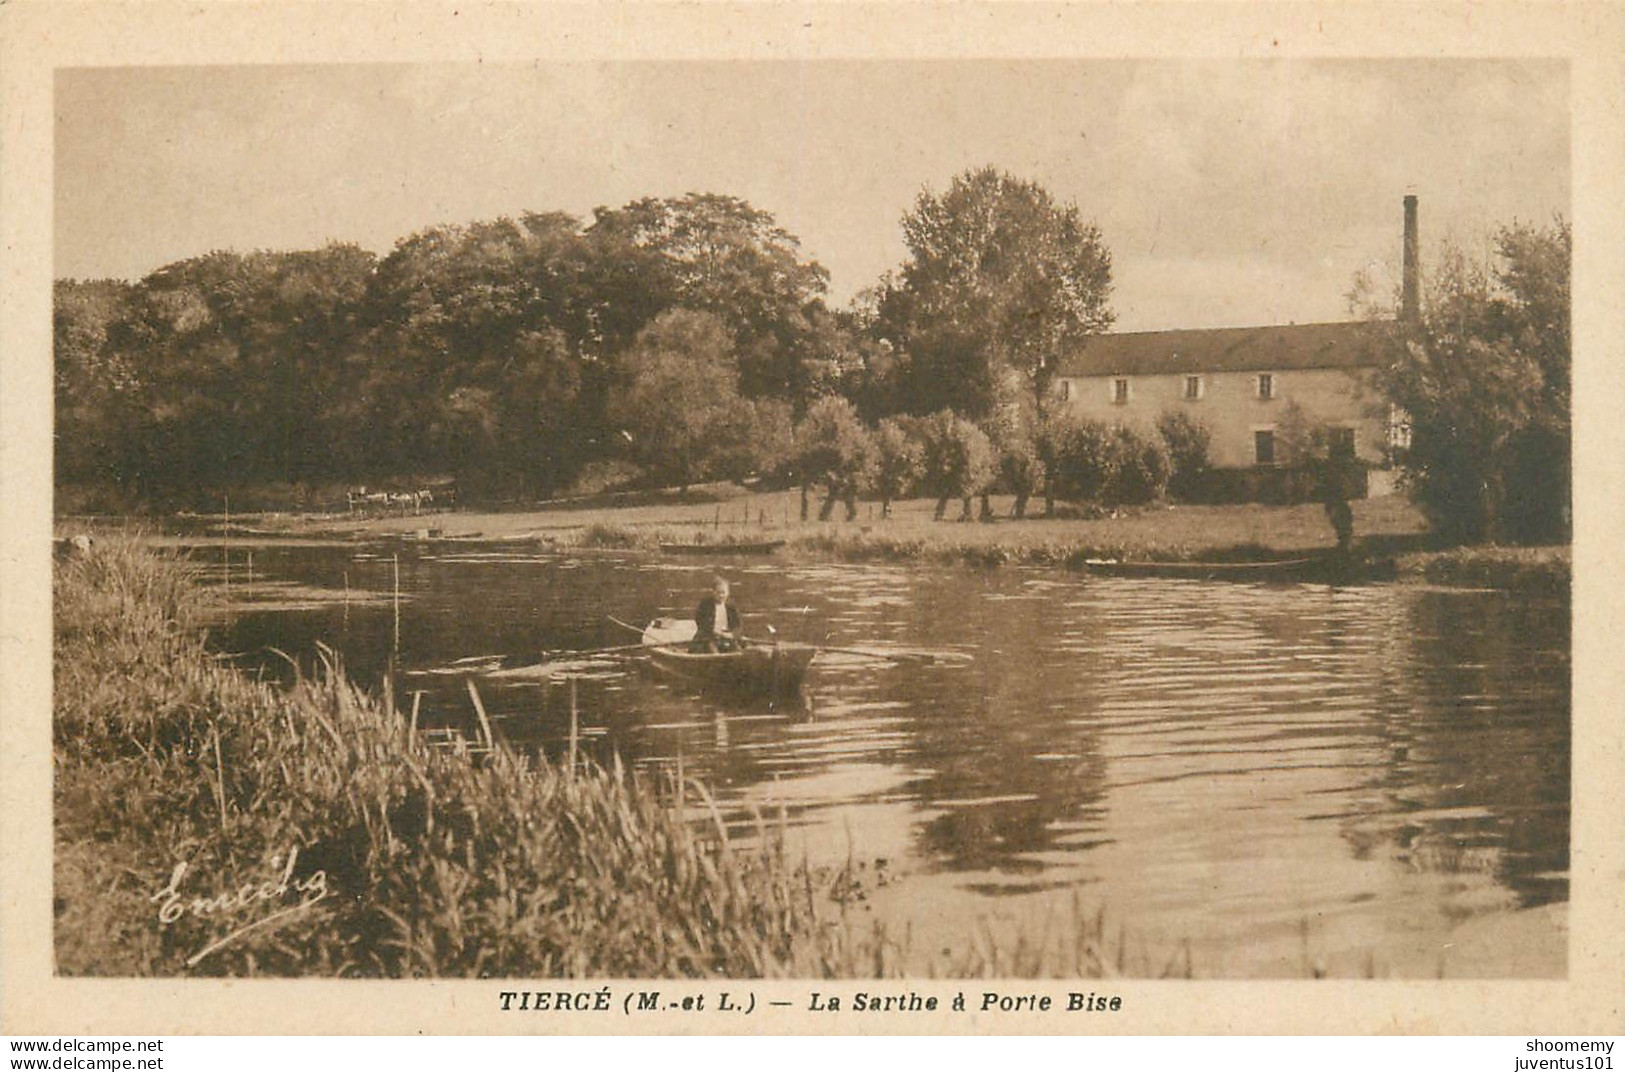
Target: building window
[[1193, 388], [1120, 390], [1066, 390], [1341, 442], [1264, 447], [1399, 431], [1266, 385]]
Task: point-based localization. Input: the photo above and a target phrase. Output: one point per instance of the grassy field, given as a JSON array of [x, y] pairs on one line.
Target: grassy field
[[1391, 535], [719, 514], [1389, 532]]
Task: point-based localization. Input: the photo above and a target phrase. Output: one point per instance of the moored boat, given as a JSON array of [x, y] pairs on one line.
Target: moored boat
[[773, 670], [1284, 569]]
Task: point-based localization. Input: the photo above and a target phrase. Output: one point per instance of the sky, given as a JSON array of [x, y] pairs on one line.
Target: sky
[[1230, 193]]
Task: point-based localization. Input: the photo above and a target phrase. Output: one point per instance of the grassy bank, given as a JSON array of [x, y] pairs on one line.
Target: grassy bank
[[1392, 539], [411, 861], [1391, 536], [1163, 532], [1545, 570]]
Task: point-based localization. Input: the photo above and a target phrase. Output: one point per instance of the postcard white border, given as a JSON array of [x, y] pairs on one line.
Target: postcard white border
[[40, 37]]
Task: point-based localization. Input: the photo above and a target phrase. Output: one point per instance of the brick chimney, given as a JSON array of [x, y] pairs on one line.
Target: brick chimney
[[1410, 295]]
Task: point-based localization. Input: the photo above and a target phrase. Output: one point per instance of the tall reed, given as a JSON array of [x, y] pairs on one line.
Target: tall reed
[[432, 863]]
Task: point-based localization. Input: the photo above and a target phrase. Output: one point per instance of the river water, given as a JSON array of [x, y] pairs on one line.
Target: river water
[[1268, 780]]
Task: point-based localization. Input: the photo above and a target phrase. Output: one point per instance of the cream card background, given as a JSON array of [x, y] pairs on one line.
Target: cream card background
[[39, 38]]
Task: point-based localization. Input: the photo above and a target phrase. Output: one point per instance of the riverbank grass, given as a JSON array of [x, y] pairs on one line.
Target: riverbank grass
[[1391, 536], [212, 824], [1545, 570], [911, 532], [209, 823]]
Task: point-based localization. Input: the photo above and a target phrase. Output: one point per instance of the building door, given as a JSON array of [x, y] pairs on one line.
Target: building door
[[1264, 447]]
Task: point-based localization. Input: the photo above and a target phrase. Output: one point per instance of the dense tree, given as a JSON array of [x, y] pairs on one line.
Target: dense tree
[[227, 359], [1083, 456], [1483, 377], [97, 392], [1141, 469], [898, 461], [833, 449], [1091, 461], [1014, 431], [758, 440], [298, 317], [677, 404], [718, 254], [1189, 444], [481, 340], [880, 383], [1000, 277], [489, 351], [956, 460]]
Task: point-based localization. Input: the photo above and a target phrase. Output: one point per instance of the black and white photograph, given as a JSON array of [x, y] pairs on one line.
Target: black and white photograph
[[862, 529]]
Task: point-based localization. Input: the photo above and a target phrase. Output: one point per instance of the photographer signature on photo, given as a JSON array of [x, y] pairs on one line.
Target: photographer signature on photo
[[173, 905]]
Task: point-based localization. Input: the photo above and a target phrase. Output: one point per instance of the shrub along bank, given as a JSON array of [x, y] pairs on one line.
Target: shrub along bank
[[1546, 570]]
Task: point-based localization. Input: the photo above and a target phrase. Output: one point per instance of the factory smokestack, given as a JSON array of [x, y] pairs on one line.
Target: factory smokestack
[[1410, 295]]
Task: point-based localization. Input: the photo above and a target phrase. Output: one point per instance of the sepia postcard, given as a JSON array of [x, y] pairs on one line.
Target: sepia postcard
[[811, 519]]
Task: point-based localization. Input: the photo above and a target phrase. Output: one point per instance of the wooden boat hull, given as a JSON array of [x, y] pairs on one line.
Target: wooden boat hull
[[762, 671], [764, 547], [770, 670], [1291, 569]]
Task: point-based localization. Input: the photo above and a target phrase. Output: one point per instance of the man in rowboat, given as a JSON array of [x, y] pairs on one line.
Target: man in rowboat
[[717, 621]]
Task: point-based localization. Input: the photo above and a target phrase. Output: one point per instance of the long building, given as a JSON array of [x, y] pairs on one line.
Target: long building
[[1240, 382]]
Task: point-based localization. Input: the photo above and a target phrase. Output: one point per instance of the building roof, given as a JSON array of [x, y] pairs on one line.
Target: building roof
[[1276, 347]]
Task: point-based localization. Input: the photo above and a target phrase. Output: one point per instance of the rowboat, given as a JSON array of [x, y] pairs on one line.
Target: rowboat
[[1283, 569], [773, 670], [761, 547]]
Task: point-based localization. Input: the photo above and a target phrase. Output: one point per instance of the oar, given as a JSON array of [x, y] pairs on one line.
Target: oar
[[593, 651], [894, 656]]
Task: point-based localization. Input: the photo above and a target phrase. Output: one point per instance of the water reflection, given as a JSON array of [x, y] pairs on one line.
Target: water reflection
[[1252, 769]]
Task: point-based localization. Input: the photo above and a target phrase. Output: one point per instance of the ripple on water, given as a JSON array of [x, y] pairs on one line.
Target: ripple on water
[[1259, 769]]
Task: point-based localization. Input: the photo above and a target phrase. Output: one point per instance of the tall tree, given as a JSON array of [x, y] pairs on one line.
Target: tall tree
[[229, 359], [1000, 276], [720, 255], [490, 350], [96, 388], [481, 339], [297, 318], [1483, 378]]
